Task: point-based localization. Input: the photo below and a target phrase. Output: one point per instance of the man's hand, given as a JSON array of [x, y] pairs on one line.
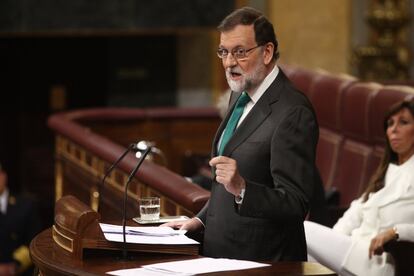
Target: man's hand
[[377, 243], [191, 225], [227, 174]]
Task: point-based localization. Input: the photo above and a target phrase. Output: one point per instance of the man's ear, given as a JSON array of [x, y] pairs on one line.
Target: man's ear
[[268, 53]]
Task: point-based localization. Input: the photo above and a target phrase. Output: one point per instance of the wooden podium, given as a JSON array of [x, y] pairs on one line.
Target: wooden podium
[[76, 228], [50, 260], [60, 250]]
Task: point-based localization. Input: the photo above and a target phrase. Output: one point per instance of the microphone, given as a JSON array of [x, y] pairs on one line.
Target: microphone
[[141, 159], [131, 147], [143, 145]]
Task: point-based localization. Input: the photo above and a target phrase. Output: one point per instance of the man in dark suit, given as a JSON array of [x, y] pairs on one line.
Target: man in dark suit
[[19, 223], [264, 170]]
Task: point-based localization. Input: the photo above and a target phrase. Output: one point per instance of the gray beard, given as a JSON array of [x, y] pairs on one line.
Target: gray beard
[[249, 82], [237, 86]]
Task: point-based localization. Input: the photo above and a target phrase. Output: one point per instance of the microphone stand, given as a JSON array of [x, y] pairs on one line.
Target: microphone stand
[[102, 183], [124, 249]]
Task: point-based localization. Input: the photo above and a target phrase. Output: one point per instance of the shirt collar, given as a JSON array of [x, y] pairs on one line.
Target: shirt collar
[[3, 201], [407, 164], [265, 84]]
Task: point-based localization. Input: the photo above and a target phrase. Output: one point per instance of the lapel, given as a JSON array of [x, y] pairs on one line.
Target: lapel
[[11, 204], [11, 207], [254, 119]]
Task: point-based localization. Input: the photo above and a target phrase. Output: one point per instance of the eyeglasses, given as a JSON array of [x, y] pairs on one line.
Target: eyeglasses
[[237, 53]]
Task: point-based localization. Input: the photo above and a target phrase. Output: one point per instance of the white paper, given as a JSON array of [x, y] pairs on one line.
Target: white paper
[[145, 235], [139, 271], [190, 267]]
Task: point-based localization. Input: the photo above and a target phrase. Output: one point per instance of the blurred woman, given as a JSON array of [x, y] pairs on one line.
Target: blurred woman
[[384, 211]]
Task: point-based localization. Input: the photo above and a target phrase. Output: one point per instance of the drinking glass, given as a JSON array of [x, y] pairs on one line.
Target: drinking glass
[[149, 208]]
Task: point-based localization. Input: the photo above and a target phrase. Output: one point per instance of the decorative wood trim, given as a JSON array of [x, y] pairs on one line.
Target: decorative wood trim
[[62, 240], [94, 166]]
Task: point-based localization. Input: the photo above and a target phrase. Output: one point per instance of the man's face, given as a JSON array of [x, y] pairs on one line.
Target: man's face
[[243, 74], [3, 181]]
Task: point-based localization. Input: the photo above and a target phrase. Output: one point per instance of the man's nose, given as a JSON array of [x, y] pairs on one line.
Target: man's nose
[[229, 61]]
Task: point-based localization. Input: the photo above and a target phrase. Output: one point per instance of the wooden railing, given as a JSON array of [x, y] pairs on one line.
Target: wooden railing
[[89, 141]]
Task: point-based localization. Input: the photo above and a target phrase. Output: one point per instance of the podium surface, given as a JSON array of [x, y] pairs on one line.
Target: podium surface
[[50, 259]]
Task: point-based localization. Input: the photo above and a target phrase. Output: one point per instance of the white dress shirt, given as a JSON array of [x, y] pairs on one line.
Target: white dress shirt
[[256, 95], [3, 201]]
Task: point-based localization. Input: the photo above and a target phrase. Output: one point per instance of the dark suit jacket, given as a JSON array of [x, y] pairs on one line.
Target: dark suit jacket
[[275, 149], [18, 226]]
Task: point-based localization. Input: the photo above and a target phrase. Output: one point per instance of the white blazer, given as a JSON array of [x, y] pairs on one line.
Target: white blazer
[[392, 206]]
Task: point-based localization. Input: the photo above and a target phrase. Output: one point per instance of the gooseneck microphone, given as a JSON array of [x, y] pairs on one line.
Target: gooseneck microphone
[[131, 147], [141, 146], [141, 159]]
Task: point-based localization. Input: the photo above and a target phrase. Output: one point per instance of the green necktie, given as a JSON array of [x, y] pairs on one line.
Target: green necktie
[[234, 119]]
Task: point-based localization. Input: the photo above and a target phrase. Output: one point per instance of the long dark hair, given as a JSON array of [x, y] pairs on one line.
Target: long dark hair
[[263, 28], [376, 182]]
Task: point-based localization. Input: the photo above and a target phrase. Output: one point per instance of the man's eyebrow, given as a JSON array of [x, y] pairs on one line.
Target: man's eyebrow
[[235, 47]]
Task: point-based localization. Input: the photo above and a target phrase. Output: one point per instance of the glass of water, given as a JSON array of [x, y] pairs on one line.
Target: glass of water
[[149, 208]]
